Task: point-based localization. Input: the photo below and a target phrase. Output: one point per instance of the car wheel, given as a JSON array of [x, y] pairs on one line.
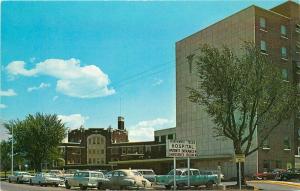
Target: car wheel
[[9, 180], [82, 187], [168, 187], [100, 186], [56, 185], [67, 185], [40, 184], [18, 180], [209, 185], [284, 178], [30, 182]]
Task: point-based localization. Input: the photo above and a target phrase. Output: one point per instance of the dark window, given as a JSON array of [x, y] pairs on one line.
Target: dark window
[[286, 143], [170, 136], [163, 139], [285, 74], [283, 52], [156, 138], [263, 46]]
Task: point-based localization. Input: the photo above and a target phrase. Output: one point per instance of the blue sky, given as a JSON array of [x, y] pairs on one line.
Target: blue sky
[[79, 59]]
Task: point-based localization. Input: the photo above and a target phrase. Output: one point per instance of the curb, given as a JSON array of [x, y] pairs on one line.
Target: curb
[[291, 184]]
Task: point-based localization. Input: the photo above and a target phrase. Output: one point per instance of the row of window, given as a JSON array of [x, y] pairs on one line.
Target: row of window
[[283, 50], [263, 25], [95, 140], [96, 161], [163, 138], [286, 143], [95, 151], [133, 149]]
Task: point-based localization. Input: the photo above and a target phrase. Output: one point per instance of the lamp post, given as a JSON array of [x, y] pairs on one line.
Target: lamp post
[[12, 150]]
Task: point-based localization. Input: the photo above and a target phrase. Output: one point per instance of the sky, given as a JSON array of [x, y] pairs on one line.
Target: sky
[[89, 62]]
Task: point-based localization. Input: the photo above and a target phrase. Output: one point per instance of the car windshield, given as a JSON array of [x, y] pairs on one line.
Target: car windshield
[[178, 172], [82, 174], [148, 172]]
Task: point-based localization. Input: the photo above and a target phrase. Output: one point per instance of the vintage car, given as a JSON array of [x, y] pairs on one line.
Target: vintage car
[[44, 179], [86, 179], [197, 178], [291, 174], [126, 179], [147, 173], [19, 177], [268, 174]]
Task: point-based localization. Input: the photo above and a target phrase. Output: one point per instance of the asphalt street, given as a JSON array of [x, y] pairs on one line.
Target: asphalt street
[[5, 186]]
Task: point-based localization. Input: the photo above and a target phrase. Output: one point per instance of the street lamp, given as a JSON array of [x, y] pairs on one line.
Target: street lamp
[[12, 150]]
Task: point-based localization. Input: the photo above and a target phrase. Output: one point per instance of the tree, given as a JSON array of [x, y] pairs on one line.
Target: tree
[[243, 95], [5, 160], [37, 137]]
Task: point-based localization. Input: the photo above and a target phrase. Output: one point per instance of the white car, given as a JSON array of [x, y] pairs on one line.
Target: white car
[[127, 179], [86, 179], [44, 179], [19, 177], [147, 173]]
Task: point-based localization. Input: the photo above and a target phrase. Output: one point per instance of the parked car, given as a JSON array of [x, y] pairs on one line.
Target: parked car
[[19, 177], [45, 179], [86, 179], [269, 174], [127, 179], [147, 173], [197, 178], [289, 175]]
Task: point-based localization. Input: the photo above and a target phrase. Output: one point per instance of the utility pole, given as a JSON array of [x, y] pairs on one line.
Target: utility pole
[[12, 150]]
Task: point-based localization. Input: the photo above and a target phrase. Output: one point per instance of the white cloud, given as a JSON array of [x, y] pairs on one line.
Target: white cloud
[[72, 79], [54, 98], [41, 86], [9, 92], [73, 121], [144, 130], [2, 106], [157, 82]]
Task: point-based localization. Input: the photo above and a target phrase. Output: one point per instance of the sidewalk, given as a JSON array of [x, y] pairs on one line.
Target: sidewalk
[[293, 184]]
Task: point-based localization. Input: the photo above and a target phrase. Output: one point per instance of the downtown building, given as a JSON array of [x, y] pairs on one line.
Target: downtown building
[[277, 33]]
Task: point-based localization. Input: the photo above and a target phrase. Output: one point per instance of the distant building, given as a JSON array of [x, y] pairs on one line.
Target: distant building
[[163, 135], [277, 33], [89, 146]]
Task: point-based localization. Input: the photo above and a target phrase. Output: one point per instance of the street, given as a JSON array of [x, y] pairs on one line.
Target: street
[[5, 186]]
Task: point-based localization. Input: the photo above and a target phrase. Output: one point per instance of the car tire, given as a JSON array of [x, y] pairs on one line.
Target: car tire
[[209, 185], [67, 185], [9, 180], [100, 186], [40, 183], [56, 185], [30, 182], [82, 187], [168, 187], [18, 182]]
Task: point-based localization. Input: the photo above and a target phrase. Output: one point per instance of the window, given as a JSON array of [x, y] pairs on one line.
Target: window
[[163, 139], [266, 144], [156, 138], [283, 52], [90, 151], [94, 160], [98, 140], [90, 160], [284, 74], [263, 46], [170, 136], [190, 62], [121, 173], [286, 143], [262, 23], [123, 150], [298, 28], [148, 148], [102, 161], [94, 140], [141, 149], [283, 30], [102, 151], [102, 140]]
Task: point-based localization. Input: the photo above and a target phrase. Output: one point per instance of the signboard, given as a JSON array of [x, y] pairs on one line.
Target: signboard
[[181, 148], [239, 158]]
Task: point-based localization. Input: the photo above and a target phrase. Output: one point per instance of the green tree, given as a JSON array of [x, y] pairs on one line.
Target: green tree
[[5, 156], [37, 137], [242, 95]]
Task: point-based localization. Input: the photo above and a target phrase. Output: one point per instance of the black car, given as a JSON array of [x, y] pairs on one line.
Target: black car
[[290, 174]]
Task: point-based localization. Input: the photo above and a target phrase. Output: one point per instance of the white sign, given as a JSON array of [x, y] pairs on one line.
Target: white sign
[[181, 148]]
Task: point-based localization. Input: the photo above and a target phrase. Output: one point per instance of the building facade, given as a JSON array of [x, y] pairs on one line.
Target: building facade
[[276, 32]]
